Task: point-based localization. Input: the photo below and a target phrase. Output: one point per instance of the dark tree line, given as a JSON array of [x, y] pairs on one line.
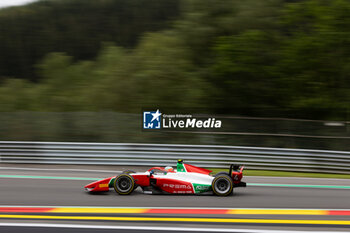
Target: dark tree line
[[76, 27], [253, 57]]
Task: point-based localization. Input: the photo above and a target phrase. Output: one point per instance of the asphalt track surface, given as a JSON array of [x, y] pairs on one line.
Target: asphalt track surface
[[56, 192], [37, 190], [70, 192]]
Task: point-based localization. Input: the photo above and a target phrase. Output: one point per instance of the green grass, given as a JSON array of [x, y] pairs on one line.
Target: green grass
[[287, 174]]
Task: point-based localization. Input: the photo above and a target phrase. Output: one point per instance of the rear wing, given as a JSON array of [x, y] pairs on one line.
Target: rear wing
[[236, 168]]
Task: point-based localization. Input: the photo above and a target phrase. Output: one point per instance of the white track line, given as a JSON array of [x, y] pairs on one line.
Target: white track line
[[150, 228]]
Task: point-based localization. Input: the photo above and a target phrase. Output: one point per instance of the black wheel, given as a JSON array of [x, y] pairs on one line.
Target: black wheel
[[128, 172], [124, 184], [222, 185]]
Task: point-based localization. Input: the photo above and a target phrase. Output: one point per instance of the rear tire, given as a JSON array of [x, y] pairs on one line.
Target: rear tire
[[222, 185], [124, 184]]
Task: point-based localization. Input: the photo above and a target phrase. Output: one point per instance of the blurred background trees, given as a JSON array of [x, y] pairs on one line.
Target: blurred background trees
[[255, 58], [76, 27]]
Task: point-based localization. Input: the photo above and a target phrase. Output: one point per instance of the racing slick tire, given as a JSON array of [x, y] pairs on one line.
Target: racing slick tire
[[124, 184], [129, 172], [222, 185]]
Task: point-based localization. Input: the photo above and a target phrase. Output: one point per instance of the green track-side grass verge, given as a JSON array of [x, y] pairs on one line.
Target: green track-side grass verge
[[287, 174]]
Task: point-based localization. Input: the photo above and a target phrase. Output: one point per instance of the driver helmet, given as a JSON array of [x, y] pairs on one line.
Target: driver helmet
[[169, 169]]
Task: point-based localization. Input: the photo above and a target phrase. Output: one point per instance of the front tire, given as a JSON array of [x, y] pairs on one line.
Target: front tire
[[130, 172], [124, 184], [222, 185]]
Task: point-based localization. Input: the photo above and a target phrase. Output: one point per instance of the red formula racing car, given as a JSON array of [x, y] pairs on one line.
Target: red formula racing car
[[186, 179]]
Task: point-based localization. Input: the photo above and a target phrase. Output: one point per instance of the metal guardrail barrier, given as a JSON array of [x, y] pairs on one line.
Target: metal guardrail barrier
[[167, 154]]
